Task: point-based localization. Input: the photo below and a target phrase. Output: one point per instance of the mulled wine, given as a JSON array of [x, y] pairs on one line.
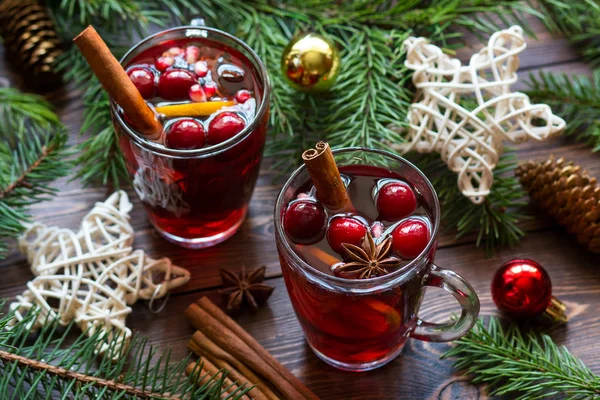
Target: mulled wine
[[210, 92], [355, 277]]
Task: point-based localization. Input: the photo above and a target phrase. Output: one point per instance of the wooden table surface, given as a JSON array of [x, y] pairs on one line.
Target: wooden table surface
[[417, 373]]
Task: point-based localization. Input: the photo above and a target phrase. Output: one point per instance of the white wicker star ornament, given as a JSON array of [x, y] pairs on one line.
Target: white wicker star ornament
[[466, 112], [92, 276]]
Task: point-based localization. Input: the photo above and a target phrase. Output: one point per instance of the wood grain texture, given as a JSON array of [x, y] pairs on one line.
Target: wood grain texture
[[418, 373]]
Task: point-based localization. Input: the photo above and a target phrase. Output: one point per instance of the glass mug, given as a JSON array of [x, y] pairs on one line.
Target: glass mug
[[197, 198], [359, 325]]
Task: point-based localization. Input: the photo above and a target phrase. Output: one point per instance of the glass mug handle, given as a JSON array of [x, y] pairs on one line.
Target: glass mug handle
[[467, 298]]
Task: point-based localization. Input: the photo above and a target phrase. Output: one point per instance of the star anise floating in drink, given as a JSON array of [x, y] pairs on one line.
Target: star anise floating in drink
[[368, 260], [245, 288]]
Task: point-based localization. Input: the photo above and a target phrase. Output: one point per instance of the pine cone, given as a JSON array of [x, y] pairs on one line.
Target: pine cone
[[30, 40], [568, 194]]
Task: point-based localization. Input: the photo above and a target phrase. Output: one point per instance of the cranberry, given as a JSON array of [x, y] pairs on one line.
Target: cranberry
[[210, 89], [164, 62], [143, 79], [395, 201], [201, 68], [197, 93], [185, 134], [345, 230], [191, 54], [410, 237], [304, 221], [242, 95], [175, 84], [224, 126]]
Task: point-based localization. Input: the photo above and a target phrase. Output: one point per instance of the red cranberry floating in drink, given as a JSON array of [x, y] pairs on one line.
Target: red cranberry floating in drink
[[396, 200], [164, 62], [224, 126], [195, 195], [197, 93], [175, 84], [185, 134], [191, 54], [143, 79], [345, 230], [243, 95], [201, 68], [210, 89], [304, 221], [410, 238]]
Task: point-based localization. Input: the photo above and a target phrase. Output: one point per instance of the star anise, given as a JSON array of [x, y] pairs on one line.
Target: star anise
[[367, 261], [245, 289]]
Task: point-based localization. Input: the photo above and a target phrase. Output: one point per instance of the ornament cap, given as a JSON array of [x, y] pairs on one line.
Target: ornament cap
[[556, 311]]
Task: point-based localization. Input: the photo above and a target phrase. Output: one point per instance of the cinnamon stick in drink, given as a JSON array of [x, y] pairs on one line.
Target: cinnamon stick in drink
[[325, 175], [266, 357], [115, 81]]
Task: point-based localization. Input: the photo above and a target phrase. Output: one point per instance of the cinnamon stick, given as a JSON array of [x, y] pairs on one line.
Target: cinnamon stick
[[203, 347], [115, 81], [228, 341], [212, 372], [325, 175], [203, 109], [231, 325]]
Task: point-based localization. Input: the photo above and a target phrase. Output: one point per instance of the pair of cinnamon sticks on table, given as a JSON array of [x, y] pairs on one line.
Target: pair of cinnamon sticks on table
[[224, 345]]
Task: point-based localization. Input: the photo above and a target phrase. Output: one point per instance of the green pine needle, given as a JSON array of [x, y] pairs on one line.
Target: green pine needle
[[33, 153], [578, 21], [576, 99], [522, 366]]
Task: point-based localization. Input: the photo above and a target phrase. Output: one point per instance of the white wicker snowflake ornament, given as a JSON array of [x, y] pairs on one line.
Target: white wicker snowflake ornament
[[92, 276], [465, 112]]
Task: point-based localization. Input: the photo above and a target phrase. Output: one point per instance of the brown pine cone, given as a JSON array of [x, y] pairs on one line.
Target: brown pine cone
[[568, 194], [31, 42]]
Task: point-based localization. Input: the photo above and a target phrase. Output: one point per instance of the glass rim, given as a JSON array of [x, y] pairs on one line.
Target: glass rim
[[220, 147], [399, 274]]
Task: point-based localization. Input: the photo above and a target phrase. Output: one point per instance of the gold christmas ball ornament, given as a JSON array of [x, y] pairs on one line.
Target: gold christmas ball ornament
[[310, 63]]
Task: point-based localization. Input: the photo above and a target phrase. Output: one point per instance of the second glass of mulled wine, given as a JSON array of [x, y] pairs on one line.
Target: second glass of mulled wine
[[211, 93], [356, 278]]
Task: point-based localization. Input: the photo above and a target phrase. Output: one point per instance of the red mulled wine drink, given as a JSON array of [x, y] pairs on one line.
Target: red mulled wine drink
[[210, 92], [356, 276]]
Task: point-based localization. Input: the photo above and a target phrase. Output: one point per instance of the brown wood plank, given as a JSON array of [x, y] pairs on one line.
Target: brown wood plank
[[417, 373]]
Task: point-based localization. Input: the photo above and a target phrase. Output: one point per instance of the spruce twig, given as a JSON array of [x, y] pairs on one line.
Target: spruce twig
[[46, 365], [524, 366], [33, 153], [81, 379], [575, 98]]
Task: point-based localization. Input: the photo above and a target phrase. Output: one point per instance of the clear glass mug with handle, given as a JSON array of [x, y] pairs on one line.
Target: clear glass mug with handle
[[359, 325]]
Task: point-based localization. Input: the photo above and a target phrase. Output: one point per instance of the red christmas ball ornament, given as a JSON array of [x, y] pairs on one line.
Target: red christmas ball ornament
[[522, 289]]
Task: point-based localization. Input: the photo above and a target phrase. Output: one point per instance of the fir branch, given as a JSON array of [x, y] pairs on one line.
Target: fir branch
[[74, 370], [578, 21], [495, 222], [575, 98], [529, 366], [15, 106], [33, 153]]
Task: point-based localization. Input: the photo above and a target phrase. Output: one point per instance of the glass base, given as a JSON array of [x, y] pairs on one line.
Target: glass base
[[202, 242], [358, 367]]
